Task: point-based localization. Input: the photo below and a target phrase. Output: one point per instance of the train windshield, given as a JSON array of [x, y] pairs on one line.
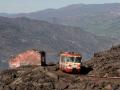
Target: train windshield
[[77, 59], [73, 59]]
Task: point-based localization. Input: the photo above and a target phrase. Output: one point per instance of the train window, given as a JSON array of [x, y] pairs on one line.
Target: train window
[[64, 59], [78, 59], [69, 59]]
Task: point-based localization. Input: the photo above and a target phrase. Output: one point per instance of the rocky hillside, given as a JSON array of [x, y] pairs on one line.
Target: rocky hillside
[[20, 34], [103, 66], [106, 63]]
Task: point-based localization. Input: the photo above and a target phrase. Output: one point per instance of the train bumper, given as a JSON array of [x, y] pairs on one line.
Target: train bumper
[[68, 70], [74, 70]]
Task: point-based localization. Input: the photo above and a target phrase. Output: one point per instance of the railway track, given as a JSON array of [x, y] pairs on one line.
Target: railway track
[[73, 78], [97, 78], [76, 81], [104, 77]]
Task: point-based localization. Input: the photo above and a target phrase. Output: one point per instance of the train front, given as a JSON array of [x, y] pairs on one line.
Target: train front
[[70, 62]]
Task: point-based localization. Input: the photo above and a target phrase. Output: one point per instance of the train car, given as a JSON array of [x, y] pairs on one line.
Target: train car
[[29, 57], [70, 62]]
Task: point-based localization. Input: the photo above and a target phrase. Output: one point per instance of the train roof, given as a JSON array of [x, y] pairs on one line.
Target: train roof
[[71, 54]]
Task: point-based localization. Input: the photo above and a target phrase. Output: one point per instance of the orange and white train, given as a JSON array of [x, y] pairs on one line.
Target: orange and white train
[[70, 62]]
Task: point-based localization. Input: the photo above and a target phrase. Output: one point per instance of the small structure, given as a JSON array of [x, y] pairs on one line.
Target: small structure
[[29, 57]]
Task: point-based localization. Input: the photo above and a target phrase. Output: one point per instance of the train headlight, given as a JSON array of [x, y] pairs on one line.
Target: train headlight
[[78, 65], [69, 66]]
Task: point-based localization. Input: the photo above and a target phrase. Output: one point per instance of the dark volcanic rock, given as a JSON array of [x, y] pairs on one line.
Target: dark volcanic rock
[[43, 78], [26, 78], [106, 63]]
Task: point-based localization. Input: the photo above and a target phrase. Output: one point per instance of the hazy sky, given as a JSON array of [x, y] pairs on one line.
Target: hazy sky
[[17, 6]]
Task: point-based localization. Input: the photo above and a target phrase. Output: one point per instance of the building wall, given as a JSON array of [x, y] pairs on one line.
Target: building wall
[[30, 57]]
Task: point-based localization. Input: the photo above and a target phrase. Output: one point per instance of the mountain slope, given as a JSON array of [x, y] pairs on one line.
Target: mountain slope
[[41, 78], [19, 34], [105, 75], [100, 19], [106, 63]]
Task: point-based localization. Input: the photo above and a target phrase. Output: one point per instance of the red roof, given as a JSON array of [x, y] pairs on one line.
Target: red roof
[[71, 54]]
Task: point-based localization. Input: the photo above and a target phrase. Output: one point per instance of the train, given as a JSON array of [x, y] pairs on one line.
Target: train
[[68, 61]]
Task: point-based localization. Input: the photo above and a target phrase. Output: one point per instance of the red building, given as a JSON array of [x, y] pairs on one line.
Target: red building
[[29, 57]]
